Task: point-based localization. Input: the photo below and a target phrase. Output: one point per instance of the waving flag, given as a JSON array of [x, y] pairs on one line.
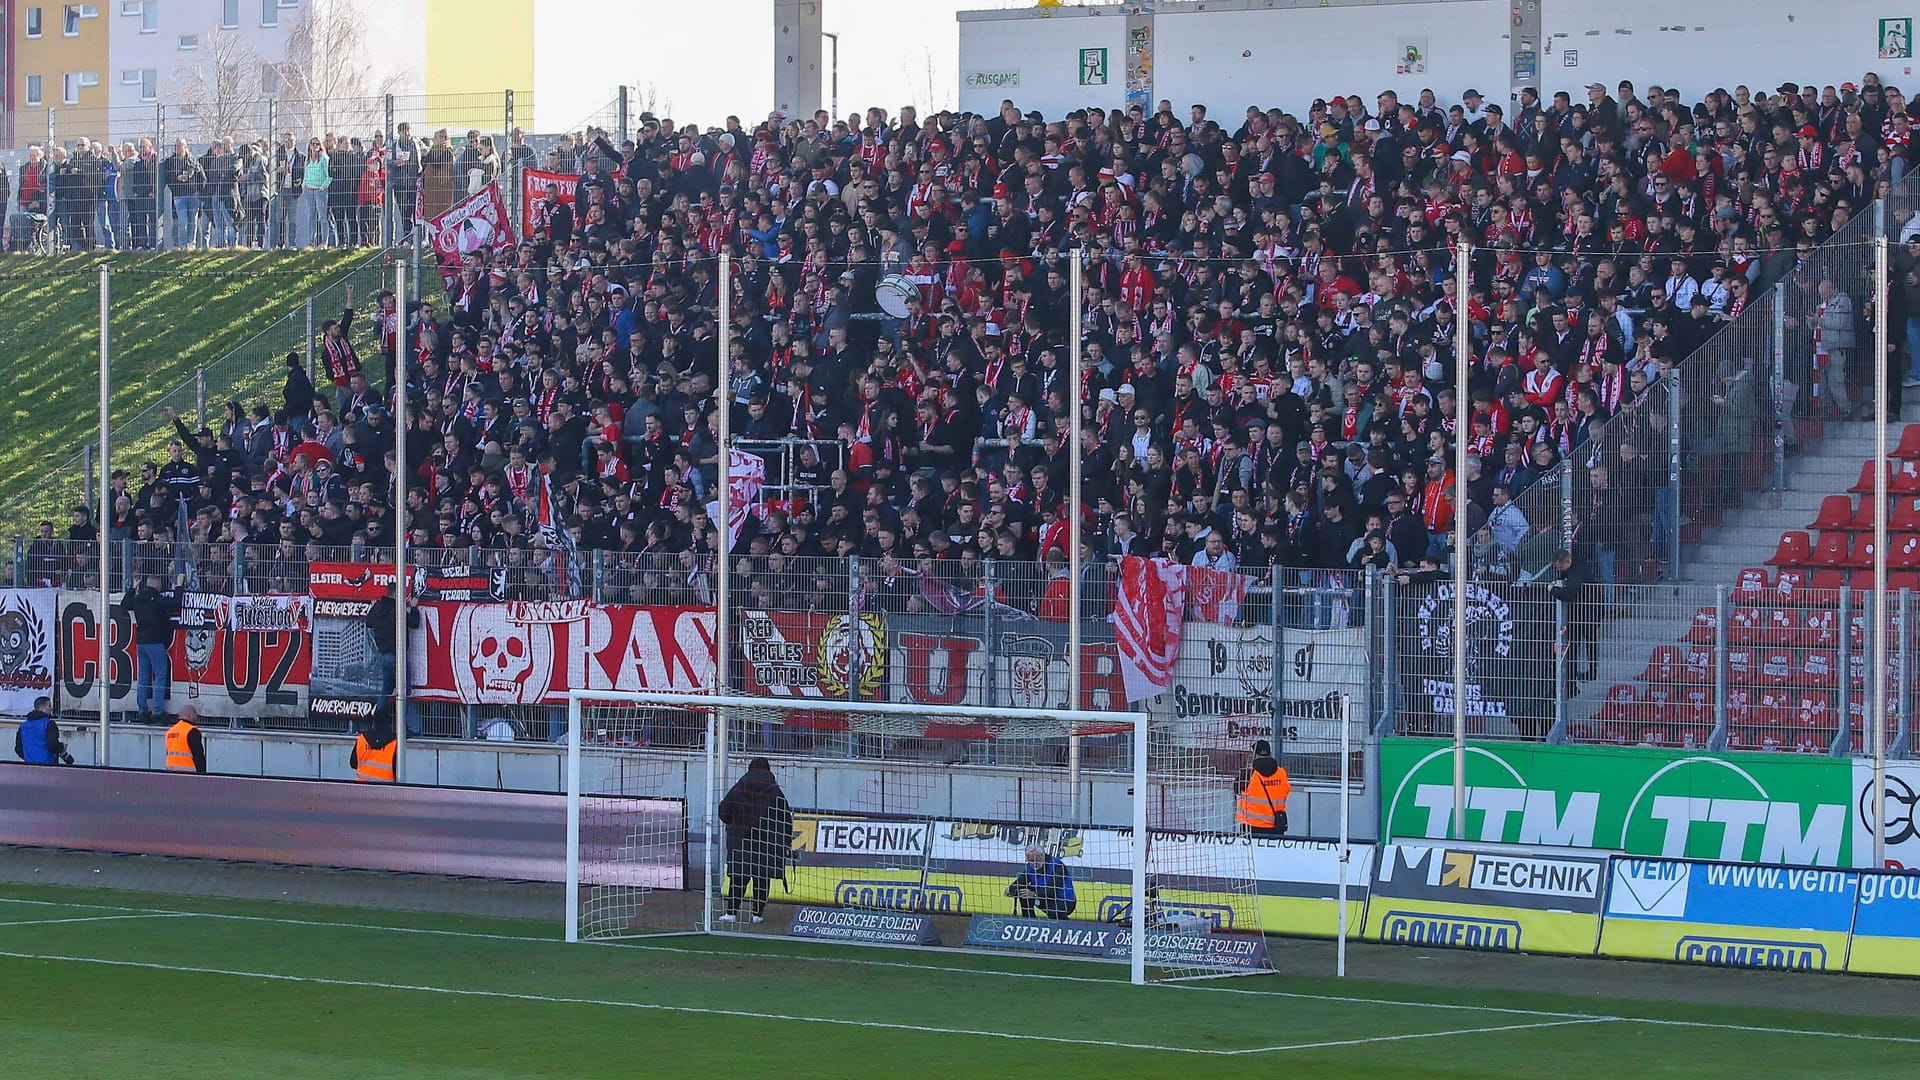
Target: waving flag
[[746, 475], [1215, 595], [1149, 610]]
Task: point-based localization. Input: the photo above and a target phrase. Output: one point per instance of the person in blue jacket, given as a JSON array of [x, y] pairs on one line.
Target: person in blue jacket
[[1045, 886], [37, 740]]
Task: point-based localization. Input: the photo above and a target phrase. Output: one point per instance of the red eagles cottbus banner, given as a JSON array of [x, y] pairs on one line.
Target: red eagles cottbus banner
[[533, 652], [468, 227], [534, 199]]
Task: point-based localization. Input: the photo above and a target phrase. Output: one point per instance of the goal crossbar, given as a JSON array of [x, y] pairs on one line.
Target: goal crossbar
[[1072, 722]]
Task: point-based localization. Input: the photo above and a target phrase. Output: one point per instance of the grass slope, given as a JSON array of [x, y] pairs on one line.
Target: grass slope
[[250, 989], [172, 314]]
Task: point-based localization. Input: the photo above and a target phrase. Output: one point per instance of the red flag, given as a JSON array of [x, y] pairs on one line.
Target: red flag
[[1215, 595], [533, 195], [1149, 608], [468, 228]]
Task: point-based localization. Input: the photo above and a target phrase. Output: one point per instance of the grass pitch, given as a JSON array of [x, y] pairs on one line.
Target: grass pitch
[[118, 984]]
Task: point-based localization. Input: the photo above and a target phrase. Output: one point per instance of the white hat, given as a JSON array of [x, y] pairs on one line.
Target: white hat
[[697, 158], [1107, 394], [1462, 155], [1125, 388]]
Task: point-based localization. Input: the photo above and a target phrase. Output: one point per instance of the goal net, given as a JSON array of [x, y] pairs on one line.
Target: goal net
[[886, 824]]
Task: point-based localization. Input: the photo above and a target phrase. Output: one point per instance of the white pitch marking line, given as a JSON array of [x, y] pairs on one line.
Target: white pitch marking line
[[1420, 1035], [690, 1010], [858, 962], [103, 918]]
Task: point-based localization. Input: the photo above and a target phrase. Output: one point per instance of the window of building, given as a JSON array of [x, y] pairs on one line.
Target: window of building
[[70, 88], [129, 8], [70, 20], [150, 17], [34, 26], [269, 12], [189, 42], [147, 79], [229, 14], [33, 90]]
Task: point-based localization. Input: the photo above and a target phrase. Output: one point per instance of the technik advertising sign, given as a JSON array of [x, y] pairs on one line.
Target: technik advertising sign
[[1462, 897]]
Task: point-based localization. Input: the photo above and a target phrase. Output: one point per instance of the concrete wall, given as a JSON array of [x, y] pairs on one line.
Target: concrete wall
[[1227, 54], [936, 792]]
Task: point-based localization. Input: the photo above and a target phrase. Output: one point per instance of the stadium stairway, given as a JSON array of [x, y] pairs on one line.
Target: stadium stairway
[[1662, 613]]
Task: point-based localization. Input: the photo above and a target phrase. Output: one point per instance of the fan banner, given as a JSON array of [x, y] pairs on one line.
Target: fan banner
[[270, 613], [746, 475], [26, 647], [348, 677], [534, 652], [224, 673], [535, 202], [1148, 612], [458, 583], [468, 227], [1215, 595]]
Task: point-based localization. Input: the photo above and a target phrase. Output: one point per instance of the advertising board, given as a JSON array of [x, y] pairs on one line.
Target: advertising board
[[1505, 900], [1730, 915]]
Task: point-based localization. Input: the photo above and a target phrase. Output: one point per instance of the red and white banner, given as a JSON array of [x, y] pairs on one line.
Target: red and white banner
[[1148, 612], [533, 652], [26, 647], [1215, 595], [814, 655], [534, 198], [746, 475], [469, 227]]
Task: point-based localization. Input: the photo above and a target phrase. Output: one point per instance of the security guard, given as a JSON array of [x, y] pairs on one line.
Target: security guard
[[186, 747], [1263, 805], [374, 750], [37, 740]]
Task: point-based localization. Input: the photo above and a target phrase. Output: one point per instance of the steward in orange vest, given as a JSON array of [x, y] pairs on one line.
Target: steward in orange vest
[[1263, 805], [186, 747], [373, 753]]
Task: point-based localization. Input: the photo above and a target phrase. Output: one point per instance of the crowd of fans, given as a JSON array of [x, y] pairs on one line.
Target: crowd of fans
[[1269, 330]]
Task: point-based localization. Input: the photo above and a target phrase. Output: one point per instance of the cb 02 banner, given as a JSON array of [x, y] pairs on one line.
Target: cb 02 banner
[[1478, 898], [1730, 915]]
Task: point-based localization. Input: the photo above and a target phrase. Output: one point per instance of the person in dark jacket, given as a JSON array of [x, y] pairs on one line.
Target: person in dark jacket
[[1573, 590], [380, 625], [154, 612], [37, 740], [1044, 887], [299, 395], [759, 826]]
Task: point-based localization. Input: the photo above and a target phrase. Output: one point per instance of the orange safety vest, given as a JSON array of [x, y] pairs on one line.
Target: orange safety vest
[[371, 764], [179, 754], [1264, 799]]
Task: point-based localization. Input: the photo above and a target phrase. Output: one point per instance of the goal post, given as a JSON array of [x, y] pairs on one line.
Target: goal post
[[910, 826]]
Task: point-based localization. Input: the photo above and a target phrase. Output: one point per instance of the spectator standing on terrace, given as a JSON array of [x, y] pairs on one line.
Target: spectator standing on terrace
[[184, 179], [1833, 343], [140, 182], [289, 176], [35, 187], [406, 176], [436, 176], [316, 180], [155, 612]]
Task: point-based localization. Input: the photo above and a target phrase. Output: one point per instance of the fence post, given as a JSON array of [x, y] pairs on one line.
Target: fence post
[[87, 452], [162, 201], [238, 556], [1673, 479], [1277, 685], [1390, 665], [273, 183], [306, 339], [986, 636], [20, 562], [1562, 666], [1782, 406], [853, 637], [200, 395], [599, 568], [1367, 624], [1566, 504], [1899, 747], [53, 130], [626, 101], [508, 182], [389, 223], [1720, 613], [1844, 625]]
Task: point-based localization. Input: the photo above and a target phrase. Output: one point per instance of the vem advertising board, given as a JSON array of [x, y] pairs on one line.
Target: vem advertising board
[[1659, 804], [1478, 898], [1730, 915], [963, 867], [1886, 925]]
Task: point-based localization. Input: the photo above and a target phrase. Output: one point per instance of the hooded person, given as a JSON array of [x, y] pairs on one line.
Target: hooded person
[[759, 826], [1263, 803]]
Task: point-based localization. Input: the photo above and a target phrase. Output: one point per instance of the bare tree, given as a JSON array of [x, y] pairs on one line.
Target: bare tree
[[649, 99], [329, 83], [220, 93]]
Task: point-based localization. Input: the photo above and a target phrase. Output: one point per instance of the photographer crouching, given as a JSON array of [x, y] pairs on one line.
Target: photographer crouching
[[1044, 886]]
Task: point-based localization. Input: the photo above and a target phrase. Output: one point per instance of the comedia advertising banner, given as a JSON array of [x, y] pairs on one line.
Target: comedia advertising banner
[[1660, 804], [1728, 915], [963, 867], [1479, 898]]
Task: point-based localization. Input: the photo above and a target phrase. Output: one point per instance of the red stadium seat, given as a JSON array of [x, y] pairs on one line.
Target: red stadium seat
[[1746, 625], [1832, 550], [1796, 549], [1903, 551], [1864, 485], [1862, 519], [1859, 552], [1836, 512], [1705, 629], [1905, 517], [1791, 584], [1909, 448], [1752, 581]]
